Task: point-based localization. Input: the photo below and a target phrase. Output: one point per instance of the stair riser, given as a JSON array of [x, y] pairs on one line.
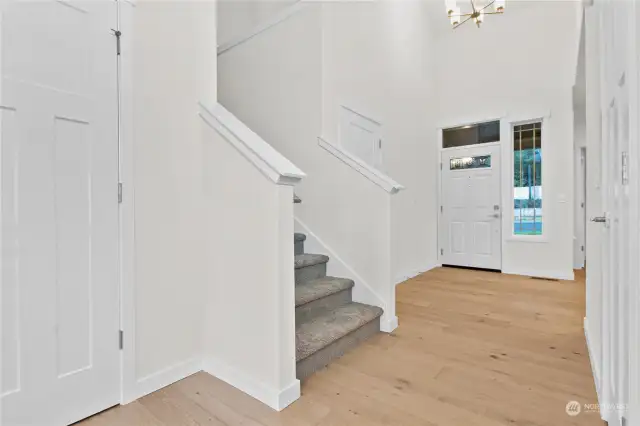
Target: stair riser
[[312, 272], [299, 247], [323, 357], [311, 309]]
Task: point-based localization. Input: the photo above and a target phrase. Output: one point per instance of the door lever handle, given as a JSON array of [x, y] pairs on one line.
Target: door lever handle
[[496, 215], [599, 219]]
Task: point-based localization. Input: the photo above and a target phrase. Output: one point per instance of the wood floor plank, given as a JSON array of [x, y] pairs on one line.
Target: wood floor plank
[[474, 348]]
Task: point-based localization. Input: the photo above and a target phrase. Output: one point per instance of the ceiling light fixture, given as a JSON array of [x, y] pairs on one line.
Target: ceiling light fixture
[[479, 8]]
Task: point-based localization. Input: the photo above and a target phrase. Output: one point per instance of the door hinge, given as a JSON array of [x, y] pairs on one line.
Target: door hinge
[[119, 192], [380, 143], [440, 166], [121, 340], [118, 34], [582, 248], [441, 209], [441, 252]]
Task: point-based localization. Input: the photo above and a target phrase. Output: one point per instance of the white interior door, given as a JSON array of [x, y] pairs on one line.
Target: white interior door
[[470, 219], [615, 269], [617, 227], [60, 308]]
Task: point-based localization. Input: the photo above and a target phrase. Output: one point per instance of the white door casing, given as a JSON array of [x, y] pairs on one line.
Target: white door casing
[[58, 122], [470, 217]]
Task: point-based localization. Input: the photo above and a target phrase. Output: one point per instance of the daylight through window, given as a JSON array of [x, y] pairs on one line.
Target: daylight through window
[[527, 179]]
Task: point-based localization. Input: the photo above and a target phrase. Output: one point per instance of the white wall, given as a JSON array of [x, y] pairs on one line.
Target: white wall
[[236, 18], [274, 83], [378, 59], [288, 84], [169, 273], [520, 66]]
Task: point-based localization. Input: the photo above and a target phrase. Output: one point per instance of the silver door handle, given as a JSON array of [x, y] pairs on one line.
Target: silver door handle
[[496, 215], [599, 219]]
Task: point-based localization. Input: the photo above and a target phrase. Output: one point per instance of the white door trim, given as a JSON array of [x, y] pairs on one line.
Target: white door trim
[[2, 5], [129, 391]]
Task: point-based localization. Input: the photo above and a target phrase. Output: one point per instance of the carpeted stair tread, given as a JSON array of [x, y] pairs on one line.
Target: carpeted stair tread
[[299, 237], [325, 329], [304, 260], [319, 288]]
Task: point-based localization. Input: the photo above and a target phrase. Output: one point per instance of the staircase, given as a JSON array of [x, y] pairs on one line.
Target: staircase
[[328, 322]]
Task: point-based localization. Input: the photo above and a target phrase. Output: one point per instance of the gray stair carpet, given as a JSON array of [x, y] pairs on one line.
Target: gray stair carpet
[[315, 296], [298, 243], [331, 334], [328, 322], [310, 267], [322, 287]]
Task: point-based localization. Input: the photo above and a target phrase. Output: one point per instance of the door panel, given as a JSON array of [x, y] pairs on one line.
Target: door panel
[[470, 225], [60, 212]]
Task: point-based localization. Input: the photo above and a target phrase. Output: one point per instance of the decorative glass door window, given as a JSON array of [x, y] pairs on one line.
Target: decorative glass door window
[[477, 162], [527, 179]]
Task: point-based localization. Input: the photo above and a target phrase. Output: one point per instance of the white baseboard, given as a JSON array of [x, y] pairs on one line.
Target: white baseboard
[[555, 275], [162, 378], [274, 398], [414, 273], [389, 324], [594, 366]]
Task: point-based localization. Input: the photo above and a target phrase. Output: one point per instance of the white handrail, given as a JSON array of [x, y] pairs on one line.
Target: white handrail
[[263, 156], [371, 173]]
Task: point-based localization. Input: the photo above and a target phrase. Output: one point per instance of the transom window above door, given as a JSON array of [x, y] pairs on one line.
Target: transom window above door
[[472, 134]]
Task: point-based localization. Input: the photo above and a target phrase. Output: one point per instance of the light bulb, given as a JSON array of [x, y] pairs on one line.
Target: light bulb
[[499, 5], [451, 7], [454, 16]]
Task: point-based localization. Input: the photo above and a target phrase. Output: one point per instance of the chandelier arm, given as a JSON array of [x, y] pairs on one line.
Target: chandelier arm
[[494, 13], [462, 15], [462, 22], [487, 6]]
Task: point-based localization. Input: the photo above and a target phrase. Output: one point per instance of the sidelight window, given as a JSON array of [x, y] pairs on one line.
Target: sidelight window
[[527, 179]]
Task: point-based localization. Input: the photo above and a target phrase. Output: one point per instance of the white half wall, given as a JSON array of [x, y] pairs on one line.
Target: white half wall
[[162, 165], [249, 333], [517, 71]]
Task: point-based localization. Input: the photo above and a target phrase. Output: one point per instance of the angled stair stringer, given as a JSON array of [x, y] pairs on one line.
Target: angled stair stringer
[[337, 267]]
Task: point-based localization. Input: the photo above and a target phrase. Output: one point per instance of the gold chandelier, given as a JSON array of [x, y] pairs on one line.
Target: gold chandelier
[[479, 8]]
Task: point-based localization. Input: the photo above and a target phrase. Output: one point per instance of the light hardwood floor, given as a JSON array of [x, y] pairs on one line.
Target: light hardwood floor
[[473, 348]]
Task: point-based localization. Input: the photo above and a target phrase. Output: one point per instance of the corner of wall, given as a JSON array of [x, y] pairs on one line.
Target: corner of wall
[[274, 398]]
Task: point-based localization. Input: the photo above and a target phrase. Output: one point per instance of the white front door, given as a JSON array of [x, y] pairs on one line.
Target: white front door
[[58, 123], [470, 216]]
